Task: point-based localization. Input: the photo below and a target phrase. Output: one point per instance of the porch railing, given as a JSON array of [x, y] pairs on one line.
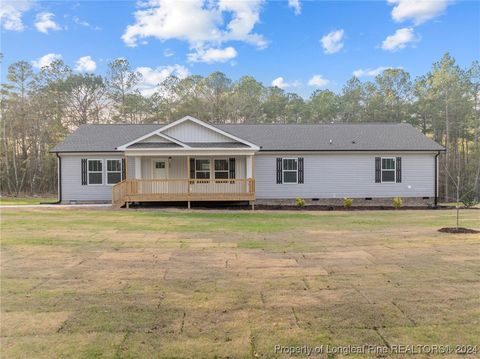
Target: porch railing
[[119, 192], [137, 190]]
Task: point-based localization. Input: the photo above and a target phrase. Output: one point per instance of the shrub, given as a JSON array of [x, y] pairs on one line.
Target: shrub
[[300, 202], [469, 200], [347, 202], [397, 202]]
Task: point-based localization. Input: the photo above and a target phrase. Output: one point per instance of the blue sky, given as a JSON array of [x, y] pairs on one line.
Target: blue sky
[[298, 45]]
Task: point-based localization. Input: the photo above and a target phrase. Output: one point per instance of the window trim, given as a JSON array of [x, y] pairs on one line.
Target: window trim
[[88, 171], [394, 169], [227, 170], [284, 170], [209, 169], [107, 171]]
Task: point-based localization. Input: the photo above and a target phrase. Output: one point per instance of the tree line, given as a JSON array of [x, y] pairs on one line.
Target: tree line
[[39, 108]]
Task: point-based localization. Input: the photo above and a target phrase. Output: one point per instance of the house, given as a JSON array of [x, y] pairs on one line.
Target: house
[[191, 160]]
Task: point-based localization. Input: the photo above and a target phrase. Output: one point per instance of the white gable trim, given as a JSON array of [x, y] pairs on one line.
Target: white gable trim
[[156, 132], [210, 127]]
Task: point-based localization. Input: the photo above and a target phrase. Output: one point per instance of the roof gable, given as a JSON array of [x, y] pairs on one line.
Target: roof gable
[[148, 136], [155, 139], [189, 131]]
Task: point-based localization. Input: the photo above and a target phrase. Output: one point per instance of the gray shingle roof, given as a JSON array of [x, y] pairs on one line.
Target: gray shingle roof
[[334, 137], [331, 137], [102, 138]]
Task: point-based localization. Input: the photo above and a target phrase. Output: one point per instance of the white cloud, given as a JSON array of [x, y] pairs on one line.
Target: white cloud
[[318, 80], [280, 83], [44, 22], [168, 52], [46, 60], [204, 24], [212, 55], [84, 23], [151, 78], [333, 41], [399, 40], [85, 63], [296, 6], [419, 11], [372, 72], [11, 14]]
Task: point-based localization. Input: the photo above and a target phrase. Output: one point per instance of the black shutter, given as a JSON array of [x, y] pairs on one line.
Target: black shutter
[[300, 170], [378, 170], [279, 170], [84, 171], [231, 167], [398, 168], [192, 168], [124, 169]]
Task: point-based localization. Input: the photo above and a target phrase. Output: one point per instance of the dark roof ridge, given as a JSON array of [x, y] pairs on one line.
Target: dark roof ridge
[[121, 124], [255, 124], [315, 124]]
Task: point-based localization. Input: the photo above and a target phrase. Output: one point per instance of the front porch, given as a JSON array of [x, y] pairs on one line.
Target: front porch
[[187, 190], [187, 160], [160, 178]]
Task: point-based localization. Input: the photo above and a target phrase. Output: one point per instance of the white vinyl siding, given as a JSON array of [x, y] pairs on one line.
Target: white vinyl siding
[[192, 132], [338, 175], [72, 188], [130, 167]]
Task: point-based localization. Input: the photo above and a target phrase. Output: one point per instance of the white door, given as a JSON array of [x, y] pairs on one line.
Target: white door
[[160, 169]]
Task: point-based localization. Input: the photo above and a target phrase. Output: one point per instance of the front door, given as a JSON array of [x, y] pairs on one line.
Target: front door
[[160, 169]]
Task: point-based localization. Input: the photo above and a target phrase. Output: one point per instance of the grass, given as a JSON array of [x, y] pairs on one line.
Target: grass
[[25, 200], [84, 283]]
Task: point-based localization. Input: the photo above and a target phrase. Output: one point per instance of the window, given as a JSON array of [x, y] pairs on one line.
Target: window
[[114, 171], [95, 172], [221, 168], [202, 169], [159, 164], [290, 170], [388, 169]]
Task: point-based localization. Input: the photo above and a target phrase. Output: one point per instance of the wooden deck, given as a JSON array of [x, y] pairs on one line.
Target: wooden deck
[[188, 190]]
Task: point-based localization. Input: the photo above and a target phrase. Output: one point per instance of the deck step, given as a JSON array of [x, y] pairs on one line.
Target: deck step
[[118, 205]]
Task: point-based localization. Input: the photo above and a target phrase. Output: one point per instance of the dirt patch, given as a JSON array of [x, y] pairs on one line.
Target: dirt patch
[[459, 230], [32, 323], [135, 256]]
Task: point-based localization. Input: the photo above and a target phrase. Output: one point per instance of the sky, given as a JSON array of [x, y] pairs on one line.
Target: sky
[[297, 45]]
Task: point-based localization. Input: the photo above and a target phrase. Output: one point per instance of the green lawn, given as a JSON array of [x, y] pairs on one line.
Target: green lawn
[[25, 200], [83, 283]]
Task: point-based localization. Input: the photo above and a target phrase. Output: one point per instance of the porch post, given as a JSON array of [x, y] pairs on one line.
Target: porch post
[[249, 176], [138, 167], [249, 165], [188, 181]]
